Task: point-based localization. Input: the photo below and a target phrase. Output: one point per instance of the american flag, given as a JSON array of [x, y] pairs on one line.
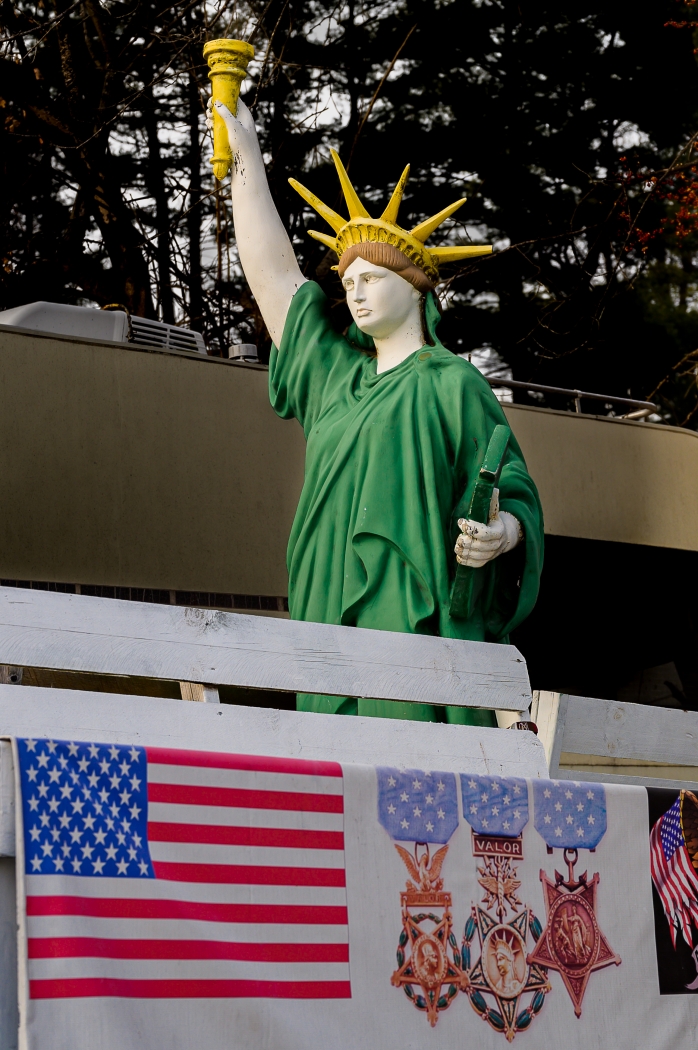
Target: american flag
[[156, 873], [673, 874]]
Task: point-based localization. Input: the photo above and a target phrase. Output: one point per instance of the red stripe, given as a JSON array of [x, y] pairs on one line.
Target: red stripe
[[118, 908], [159, 831], [194, 795], [80, 987], [248, 874], [254, 763], [117, 948]]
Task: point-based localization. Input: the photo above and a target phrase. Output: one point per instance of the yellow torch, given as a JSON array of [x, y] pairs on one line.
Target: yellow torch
[[227, 61]]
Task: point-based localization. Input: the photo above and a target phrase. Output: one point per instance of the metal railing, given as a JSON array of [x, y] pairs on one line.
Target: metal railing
[[644, 408]]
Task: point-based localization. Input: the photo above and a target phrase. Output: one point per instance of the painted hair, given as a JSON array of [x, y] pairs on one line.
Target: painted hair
[[391, 258]]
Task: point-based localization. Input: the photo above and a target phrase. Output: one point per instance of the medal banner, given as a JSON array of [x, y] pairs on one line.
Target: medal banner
[[172, 899]]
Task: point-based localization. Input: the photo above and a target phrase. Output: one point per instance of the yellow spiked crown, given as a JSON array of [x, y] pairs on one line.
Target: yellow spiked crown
[[361, 228]]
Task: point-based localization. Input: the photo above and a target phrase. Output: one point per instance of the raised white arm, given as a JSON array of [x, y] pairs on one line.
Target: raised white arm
[[266, 254]]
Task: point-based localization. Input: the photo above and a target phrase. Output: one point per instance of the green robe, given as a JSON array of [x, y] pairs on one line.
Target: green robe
[[390, 464]]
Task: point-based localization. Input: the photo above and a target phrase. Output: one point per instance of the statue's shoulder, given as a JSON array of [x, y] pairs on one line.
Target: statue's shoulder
[[457, 370]]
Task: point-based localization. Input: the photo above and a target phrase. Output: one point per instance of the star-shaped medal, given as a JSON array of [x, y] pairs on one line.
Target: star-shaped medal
[[572, 942]]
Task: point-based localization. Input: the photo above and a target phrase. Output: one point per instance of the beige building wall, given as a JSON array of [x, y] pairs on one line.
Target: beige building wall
[[168, 470]]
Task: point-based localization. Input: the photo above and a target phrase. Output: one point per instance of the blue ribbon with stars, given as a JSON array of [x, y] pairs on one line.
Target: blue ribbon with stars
[[417, 806], [569, 814], [495, 805], [85, 809]]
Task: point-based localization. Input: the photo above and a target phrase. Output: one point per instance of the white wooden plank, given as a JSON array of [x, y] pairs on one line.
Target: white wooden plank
[[75, 632], [544, 712], [613, 778], [619, 730]]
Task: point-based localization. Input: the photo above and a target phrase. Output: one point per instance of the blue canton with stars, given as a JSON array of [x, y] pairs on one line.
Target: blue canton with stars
[[85, 809], [495, 805], [415, 806], [670, 830], [569, 814]]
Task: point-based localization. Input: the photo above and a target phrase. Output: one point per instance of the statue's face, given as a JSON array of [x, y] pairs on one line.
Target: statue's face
[[380, 300]]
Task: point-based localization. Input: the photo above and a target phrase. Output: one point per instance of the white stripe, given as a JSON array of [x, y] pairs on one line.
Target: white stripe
[[162, 889], [267, 856], [184, 930], [205, 776], [186, 969], [233, 816]]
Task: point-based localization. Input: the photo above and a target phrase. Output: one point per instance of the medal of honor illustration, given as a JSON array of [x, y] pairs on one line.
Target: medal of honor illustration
[[502, 977], [421, 808], [571, 816]]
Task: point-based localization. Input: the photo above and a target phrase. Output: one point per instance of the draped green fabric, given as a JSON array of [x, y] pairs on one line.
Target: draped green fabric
[[391, 461]]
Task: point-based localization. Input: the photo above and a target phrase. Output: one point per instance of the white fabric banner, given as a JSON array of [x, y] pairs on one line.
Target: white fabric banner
[[177, 899]]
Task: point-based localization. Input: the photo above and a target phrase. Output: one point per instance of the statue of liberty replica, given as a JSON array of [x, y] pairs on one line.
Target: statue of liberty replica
[[396, 426]]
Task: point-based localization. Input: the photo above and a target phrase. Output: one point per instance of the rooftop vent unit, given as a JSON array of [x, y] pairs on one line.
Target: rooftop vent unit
[[89, 323]]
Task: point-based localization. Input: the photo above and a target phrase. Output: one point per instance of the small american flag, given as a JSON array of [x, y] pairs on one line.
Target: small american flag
[[155, 873], [673, 874]]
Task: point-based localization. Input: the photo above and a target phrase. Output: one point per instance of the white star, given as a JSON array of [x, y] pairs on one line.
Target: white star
[[580, 806], [391, 782], [31, 773], [126, 824], [31, 745], [114, 780], [569, 819], [65, 849], [568, 794], [124, 768], [34, 832], [44, 818], [506, 825], [404, 797], [440, 814], [104, 765], [88, 822], [72, 749], [472, 785], [416, 784], [473, 808], [51, 746], [75, 835], [42, 789], [87, 850], [429, 799], [42, 759], [558, 806], [580, 832], [94, 751], [76, 864], [125, 796], [58, 862], [100, 836], [134, 754], [391, 808], [47, 848], [132, 853], [495, 786], [137, 839], [109, 822], [441, 786], [65, 791], [111, 852], [33, 803], [77, 805], [417, 811], [546, 793], [53, 804], [484, 796], [93, 780], [64, 820], [114, 752], [430, 826], [144, 867], [54, 775], [114, 809], [83, 764], [517, 814], [55, 834], [63, 761], [74, 776], [495, 811], [120, 837], [506, 800], [36, 864], [135, 812], [517, 789], [98, 807], [404, 824], [590, 795], [485, 823], [98, 866], [104, 795], [590, 819], [547, 818], [558, 832]]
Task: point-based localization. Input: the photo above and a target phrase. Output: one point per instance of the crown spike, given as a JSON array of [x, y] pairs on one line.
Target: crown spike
[[465, 251], [390, 213], [426, 228], [332, 217], [324, 238], [356, 208]]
